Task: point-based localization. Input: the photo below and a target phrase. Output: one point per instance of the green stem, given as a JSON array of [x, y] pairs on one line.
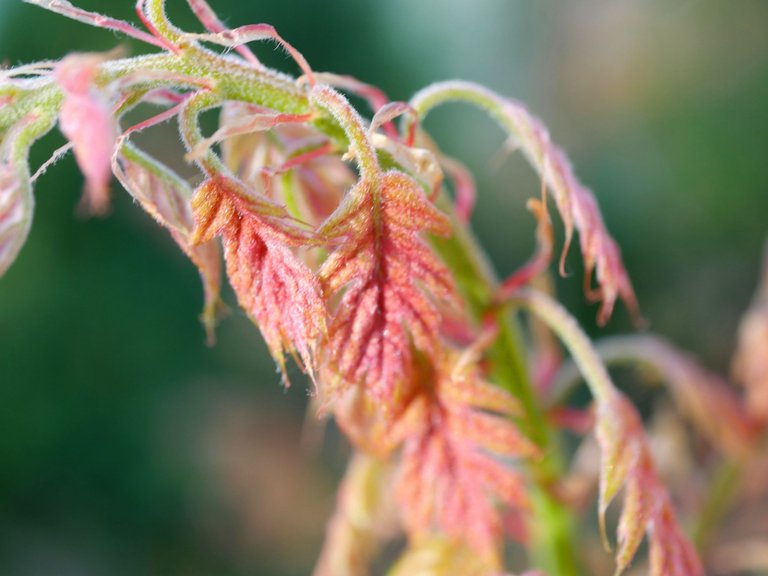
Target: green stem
[[722, 490]]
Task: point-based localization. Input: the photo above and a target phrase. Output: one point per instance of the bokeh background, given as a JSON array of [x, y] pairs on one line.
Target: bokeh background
[[129, 447]]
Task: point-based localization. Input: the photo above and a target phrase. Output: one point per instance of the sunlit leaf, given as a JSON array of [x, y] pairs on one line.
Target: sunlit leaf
[[277, 289], [452, 477], [391, 280]]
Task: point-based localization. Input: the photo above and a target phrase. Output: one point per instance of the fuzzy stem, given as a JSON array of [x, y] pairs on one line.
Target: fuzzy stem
[[575, 340], [722, 490]]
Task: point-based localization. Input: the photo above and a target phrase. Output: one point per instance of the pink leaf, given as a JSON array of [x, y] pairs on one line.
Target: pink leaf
[[625, 456], [451, 478], [277, 290], [627, 461], [16, 199], [576, 204], [391, 280]]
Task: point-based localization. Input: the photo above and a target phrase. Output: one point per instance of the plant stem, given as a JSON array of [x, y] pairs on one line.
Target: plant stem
[[722, 490]]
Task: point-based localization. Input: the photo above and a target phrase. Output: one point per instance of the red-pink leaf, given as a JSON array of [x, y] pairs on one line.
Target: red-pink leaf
[[451, 479], [277, 290], [16, 199], [392, 279], [646, 508], [625, 456]]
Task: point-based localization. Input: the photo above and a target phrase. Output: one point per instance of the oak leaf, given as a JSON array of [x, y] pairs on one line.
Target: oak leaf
[[272, 284], [391, 280]]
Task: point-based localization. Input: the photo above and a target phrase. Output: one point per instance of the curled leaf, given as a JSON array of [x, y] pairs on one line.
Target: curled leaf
[[16, 199], [289, 164], [277, 289], [16, 208], [625, 457], [576, 204], [166, 197], [451, 476]]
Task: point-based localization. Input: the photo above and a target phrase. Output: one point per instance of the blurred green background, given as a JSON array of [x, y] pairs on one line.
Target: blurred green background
[[129, 447]]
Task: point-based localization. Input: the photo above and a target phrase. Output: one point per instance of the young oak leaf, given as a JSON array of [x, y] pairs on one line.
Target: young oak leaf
[[647, 507], [390, 279], [277, 290], [626, 459], [576, 204], [451, 479], [166, 197], [16, 199], [390, 276]]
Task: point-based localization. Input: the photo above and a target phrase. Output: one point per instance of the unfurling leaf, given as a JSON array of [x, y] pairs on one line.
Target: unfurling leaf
[[626, 459], [576, 204], [392, 280], [451, 476], [277, 289], [16, 199], [647, 507], [288, 164], [166, 197], [16, 207]]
